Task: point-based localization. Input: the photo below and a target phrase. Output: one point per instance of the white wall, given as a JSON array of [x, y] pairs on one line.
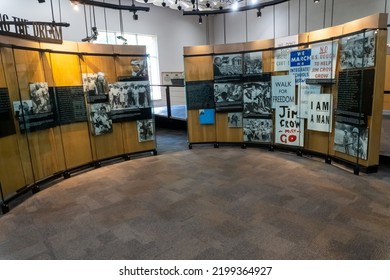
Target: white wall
[[313, 19], [173, 30]]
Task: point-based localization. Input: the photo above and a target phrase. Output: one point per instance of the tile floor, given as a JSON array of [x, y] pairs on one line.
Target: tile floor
[[205, 203]]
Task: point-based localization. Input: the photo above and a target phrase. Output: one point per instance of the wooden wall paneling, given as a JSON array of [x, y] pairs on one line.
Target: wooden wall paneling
[[386, 102], [198, 50], [47, 155], [130, 139], [225, 133], [94, 64], [65, 69], [21, 144], [386, 98], [122, 65], [198, 133], [11, 168], [109, 145], [375, 125], [129, 49], [317, 141], [198, 68], [268, 61]]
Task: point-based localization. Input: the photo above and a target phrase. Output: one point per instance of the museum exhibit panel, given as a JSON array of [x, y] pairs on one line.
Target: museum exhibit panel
[[70, 106], [316, 93]]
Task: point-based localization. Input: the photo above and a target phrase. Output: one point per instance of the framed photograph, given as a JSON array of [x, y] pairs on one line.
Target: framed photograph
[[172, 78], [128, 95], [145, 130], [39, 94], [257, 99], [257, 130], [228, 96], [227, 66], [100, 117], [253, 63], [96, 87], [234, 119], [351, 140], [139, 68]]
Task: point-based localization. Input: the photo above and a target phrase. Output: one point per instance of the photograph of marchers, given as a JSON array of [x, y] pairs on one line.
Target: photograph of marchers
[[253, 63], [228, 96], [257, 99], [351, 140], [39, 94], [358, 51], [227, 65], [128, 95]]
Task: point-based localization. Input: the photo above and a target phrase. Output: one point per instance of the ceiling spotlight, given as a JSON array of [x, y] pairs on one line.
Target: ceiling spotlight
[[179, 8], [124, 40], [41, 1], [220, 7], [200, 20], [258, 13], [135, 16], [163, 4], [208, 4], [146, 1], [316, 1]]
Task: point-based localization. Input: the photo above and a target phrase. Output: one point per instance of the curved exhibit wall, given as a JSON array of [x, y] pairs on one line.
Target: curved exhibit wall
[[319, 92], [68, 106]]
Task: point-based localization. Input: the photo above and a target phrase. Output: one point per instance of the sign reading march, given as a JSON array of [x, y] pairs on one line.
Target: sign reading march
[[320, 112], [300, 65], [289, 129], [283, 90], [282, 56], [323, 60]]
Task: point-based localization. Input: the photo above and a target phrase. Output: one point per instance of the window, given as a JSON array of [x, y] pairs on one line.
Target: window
[[150, 41]]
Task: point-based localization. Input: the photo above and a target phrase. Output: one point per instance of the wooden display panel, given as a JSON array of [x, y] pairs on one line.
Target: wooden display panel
[[224, 132], [45, 147], [11, 168], [198, 133], [198, 68], [317, 141], [94, 64], [130, 139], [75, 137], [108, 145]]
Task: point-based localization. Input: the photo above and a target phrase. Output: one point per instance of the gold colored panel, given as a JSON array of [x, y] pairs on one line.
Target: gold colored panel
[[108, 145], [229, 48], [226, 133], [199, 50], [130, 139], [199, 68], [95, 64], [197, 132], [63, 76]]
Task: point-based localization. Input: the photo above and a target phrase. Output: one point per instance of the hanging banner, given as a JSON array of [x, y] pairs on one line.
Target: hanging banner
[[300, 65], [289, 129], [304, 91], [283, 90], [323, 60], [320, 112], [282, 56]]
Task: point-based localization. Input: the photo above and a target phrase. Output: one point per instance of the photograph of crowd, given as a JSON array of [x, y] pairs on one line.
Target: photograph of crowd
[[257, 99], [228, 95], [253, 63], [99, 115], [358, 51], [129, 95], [145, 130], [39, 94], [257, 130], [227, 65], [235, 119], [351, 140], [23, 108]]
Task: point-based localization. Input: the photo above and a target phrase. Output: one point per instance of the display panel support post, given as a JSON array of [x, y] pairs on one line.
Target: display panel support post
[[4, 206]]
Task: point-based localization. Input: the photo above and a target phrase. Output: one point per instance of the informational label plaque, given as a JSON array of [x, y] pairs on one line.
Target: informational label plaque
[[71, 104]]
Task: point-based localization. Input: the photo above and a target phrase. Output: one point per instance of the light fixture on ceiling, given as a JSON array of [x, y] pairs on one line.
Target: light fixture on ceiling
[[200, 20], [123, 39], [163, 4], [93, 37], [316, 1], [41, 1], [258, 13], [135, 16]]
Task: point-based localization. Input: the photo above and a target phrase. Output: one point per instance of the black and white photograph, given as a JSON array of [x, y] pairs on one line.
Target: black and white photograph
[[227, 66], [358, 51], [257, 130], [96, 87], [228, 96], [257, 99], [134, 94], [23, 107], [253, 63], [145, 130], [100, 117], [235, 119], [39, 94], [139, 68], [351, 140], [200, 94]]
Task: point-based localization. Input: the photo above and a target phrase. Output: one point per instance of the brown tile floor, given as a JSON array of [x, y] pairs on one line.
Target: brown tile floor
[[205, 203]]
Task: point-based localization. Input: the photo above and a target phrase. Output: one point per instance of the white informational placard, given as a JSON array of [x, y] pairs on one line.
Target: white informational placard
[[282, 56], [283, 90], [289, 129], [304, 90], [323, 60], [320, 112]]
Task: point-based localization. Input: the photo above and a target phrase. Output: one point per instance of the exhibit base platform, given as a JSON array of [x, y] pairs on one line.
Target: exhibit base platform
[[170, 123], [17, 197]]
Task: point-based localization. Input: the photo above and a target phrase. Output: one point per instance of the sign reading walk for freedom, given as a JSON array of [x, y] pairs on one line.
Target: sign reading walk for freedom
[[283, 90]]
